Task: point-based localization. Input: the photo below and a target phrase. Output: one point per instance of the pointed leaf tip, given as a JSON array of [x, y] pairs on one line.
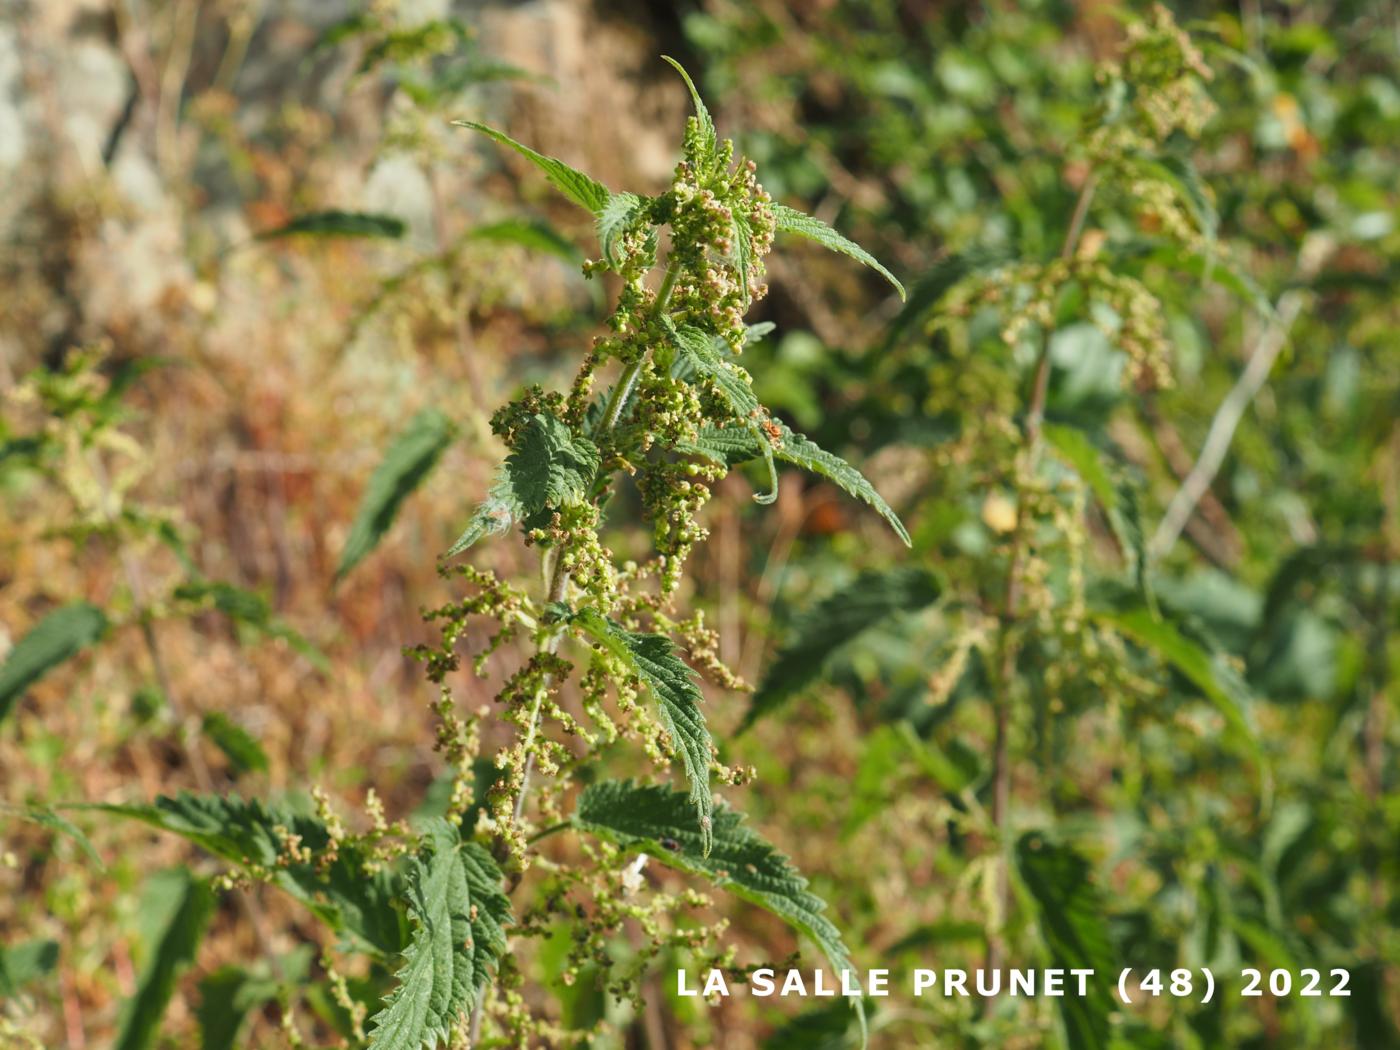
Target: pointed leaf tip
[[583, 190], [702, 113], [790, 220]]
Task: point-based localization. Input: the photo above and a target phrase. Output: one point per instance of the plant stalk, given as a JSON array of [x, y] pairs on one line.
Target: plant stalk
[[559, 577], [559, 587], [1001, 763]]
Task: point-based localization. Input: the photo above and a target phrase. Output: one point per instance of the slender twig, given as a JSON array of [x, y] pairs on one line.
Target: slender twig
[[553, 829], [1001, 764], [1222, 427]]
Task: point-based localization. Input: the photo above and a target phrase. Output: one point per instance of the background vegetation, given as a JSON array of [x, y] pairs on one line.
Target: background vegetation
[[1147, 717]]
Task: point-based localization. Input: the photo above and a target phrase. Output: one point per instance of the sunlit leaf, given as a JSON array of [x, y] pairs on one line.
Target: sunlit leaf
[[709, 139], [656, 821], [790, 220], [653, 659], [493, 516], [551, 466], [574, 184], [798, 450], [459, 913]]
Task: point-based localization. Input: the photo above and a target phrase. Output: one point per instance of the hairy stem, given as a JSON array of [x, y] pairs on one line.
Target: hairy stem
[[617, 401], [1011, 612], [559, 577]]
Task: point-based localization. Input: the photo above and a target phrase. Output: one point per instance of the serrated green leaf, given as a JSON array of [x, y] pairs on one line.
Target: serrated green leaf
[[739, 443], [408, 460], [709, 138], [349, 894], [551, 466], [239, 746], [493, 516], [618, 216], [833, 624], [796, 449], [537, 236], [731, 381], [790, 220], [185, 905], [723, 444], [24, 963], [1071, 915], [339, 224], [226, 997], [754, 332], [656, 820], [653, 659], [699, 357], [1207, 671], [574, 184], [459, 914], [59, 636]]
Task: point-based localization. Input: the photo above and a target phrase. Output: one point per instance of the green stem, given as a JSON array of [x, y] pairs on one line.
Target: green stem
[[617, 401], [553, 829], [559, 587]]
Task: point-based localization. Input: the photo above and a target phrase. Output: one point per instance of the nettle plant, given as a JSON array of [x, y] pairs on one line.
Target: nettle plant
[[680, 413], [613, 659]]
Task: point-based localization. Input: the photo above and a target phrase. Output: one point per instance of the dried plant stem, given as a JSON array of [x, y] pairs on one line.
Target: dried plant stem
[[1222, 427]]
